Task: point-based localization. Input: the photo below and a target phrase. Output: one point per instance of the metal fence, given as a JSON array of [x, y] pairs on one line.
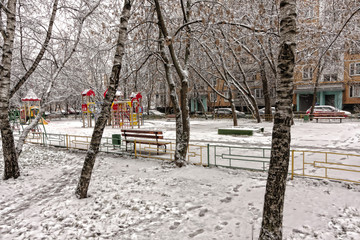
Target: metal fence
[[239, 157], [196, 154], [316, 164], [327, 165]]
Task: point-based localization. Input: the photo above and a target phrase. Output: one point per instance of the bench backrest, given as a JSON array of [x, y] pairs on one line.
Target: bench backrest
[[329, 114], [133, 133]]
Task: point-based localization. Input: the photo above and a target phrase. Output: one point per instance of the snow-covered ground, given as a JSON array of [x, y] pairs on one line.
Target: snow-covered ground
[[307, 135], [149, 199]]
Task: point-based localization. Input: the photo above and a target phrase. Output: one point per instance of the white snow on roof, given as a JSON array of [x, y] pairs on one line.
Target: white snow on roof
[[30, 96]]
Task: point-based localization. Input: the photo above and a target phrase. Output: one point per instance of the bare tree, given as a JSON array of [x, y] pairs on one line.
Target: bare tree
[[53, 75], [181, 106], [11, 167], [10, 158], [85, 177]]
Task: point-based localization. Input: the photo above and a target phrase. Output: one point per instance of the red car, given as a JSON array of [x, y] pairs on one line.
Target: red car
[[326, 109]]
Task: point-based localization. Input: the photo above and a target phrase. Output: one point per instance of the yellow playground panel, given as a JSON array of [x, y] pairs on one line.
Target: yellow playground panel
[[30, 108], [126, 114], [87, 107]]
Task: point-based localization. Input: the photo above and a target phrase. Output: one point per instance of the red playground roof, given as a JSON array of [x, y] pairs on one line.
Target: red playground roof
[[117, 94], [88, 92], [30, 97]]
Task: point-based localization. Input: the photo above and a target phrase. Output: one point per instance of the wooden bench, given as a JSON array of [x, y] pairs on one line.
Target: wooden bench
[[150, 137], [330, 115]]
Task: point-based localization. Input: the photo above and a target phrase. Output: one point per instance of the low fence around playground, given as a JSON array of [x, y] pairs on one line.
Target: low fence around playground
[[304, 163]]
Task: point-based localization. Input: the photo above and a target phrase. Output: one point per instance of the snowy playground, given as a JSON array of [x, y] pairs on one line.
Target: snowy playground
[[148, 199]]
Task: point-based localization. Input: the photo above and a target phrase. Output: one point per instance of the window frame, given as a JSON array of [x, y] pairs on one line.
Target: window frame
[[226, 94], [307, 70], [353, 89], [354, 47], [213, 97], [214, 82], [354, 69], [309, 12], [331, 77], [259, 93]]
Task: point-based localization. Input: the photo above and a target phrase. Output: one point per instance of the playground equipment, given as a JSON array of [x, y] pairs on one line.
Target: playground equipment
[[28, 111], [87, 107], [14, 118], [127, 113], [30, 108], [124, 113]]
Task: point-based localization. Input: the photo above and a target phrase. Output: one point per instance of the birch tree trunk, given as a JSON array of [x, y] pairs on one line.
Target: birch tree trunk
[[85, 177], [280, 153], [11, 166]]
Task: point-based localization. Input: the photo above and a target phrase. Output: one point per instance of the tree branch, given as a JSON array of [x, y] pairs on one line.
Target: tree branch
[[22, 80]]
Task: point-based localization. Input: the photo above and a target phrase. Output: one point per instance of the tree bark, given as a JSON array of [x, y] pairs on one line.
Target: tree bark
[[11, 166], [265, 85], [85, 177], [183, 125], [175, 101], [233, 109], [9, 150], [280, 153]]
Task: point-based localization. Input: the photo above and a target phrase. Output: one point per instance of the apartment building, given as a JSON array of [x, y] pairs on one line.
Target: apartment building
[[336, 73]]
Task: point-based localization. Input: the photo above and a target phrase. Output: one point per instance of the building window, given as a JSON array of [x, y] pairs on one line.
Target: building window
[[259, 93], [163, 100], [330, 77], [213, 97], [355, 47], [354, 69], [253, 77], [226, 94], [309, 13], [355, 91], [213, 82], [307, 73]]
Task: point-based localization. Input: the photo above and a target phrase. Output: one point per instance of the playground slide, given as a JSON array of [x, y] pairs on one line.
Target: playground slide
[[43, 121]]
